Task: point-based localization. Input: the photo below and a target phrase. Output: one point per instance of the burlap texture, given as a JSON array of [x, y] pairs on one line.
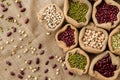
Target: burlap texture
[[36, 34]]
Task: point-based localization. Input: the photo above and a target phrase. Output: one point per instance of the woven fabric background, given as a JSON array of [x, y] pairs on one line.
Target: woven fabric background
[[36, 34]]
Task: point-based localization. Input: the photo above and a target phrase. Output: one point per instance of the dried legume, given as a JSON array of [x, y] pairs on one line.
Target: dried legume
[[77, 10]]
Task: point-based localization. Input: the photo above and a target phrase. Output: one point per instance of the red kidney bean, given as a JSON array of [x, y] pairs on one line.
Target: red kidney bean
[[105, 67], [51, 57], [106, 13], [23, 10], [26, 21], [39, 46], [9, 34], [29, 62], [70, 73], [8, 63], [46, 71], [47, 62], [37, 60], [12, 73], [54, 66], [19, 4], [67, 36], [42, 52], [20, 76]]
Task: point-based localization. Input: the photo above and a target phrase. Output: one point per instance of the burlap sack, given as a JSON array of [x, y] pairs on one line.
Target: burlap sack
[[107, 25], [62, 44], [116, 51], [74, 22], [41, 17], [89, 49], [76, 70], [115, 61]]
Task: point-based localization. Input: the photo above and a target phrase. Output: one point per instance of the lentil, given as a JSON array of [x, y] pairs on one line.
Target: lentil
[[52, 16], [116, 41], [77, 60], [77, 10], [93, 39]]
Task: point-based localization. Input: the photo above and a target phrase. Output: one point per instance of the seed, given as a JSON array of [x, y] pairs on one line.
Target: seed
[[46, 71], [9, 34], [42, 52], [67, 36], [19, 4], [40, 45], [51, 57], [29, 62], [22, 72], [12, 73], [2, 5], [46, 78], [54, 66], [14, 29], [70, 73], [47, 62], [4, 9], [20, 76], [8, 63], [26, 21], [37, 60], [23, 10]]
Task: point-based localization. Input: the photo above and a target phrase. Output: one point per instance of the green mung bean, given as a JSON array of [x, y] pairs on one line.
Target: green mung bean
[[77, 10], [116, 41], [77, 60]]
